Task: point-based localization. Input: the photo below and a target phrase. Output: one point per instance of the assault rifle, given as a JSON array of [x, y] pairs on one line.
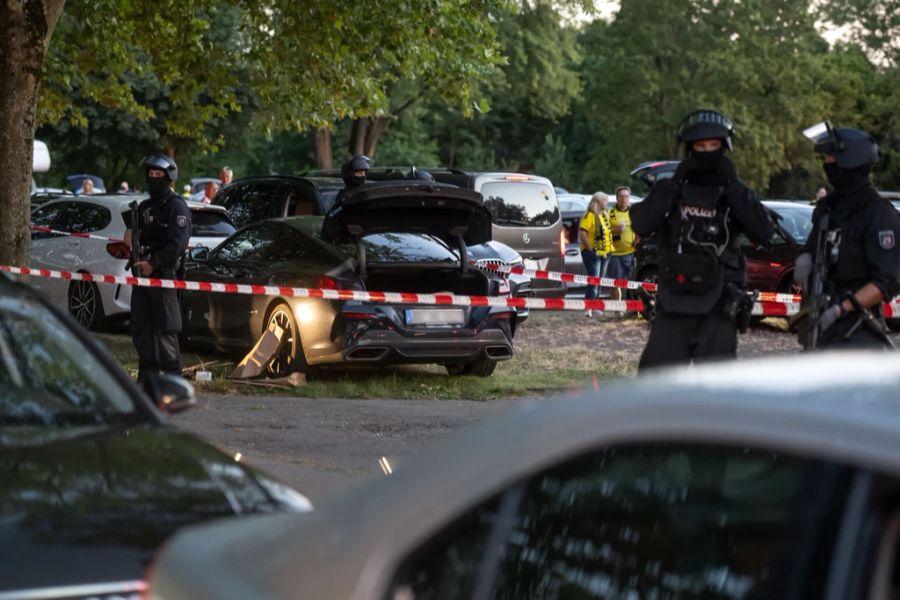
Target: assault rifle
[[815, 300], [135, 239]]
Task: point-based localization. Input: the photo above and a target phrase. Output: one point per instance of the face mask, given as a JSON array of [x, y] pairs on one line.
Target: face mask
[[354, 181], [157, 185], [844, 178], [707, 161]]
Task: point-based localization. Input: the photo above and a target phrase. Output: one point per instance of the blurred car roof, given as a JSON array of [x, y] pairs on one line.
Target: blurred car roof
[[842, 407]]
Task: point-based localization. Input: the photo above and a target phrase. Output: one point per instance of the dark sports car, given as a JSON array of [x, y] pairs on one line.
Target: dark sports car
[[92, 480], [410, 237]]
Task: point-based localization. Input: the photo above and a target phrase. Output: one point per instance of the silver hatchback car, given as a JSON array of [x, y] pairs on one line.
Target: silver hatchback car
[[776, 478]]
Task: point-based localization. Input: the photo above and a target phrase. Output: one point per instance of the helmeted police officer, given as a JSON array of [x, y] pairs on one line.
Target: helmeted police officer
[[353, 172], [863, 263], [165, 229], [698, 216]]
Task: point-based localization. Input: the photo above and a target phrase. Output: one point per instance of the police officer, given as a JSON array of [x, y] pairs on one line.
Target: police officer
[[353, 172], [165, 229], [864, 267], [697, 216]]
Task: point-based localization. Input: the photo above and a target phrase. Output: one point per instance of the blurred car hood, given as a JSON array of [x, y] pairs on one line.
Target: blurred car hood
[[95, 508], [389, 206]]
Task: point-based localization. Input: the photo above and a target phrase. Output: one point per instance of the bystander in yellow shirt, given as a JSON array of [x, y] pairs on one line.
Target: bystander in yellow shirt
[[622, 241], [601, 241]]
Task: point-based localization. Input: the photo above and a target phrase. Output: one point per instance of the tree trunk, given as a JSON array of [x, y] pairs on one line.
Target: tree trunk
[[373, 134], [27, 26], [358, 136], [322, 148], [171, 149]]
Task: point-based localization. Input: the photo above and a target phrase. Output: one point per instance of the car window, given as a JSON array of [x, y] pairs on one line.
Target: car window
[[48, 378], [648, 521], [83, 217], [520, 204], [45, 216], [404, 248], [796, 221], [249, 244], [285, 249], [210, 223], [254, 202]]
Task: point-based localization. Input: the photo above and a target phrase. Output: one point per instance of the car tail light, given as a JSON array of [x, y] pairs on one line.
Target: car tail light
[[502, 315], [358, 316], [516, 178], [775, 265], [119, 250], [562, 241], [328, 283]]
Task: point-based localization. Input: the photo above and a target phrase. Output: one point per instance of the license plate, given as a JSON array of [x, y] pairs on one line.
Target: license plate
[[435, 316]]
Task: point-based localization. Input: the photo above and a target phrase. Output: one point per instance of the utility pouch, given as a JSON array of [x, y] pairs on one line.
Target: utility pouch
[[691, 274], [737, 305]]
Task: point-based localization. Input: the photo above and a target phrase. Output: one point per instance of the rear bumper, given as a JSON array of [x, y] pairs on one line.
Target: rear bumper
[[380, 346]]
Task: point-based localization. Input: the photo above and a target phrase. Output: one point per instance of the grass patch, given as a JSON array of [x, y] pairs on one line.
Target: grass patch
[[535, 369]]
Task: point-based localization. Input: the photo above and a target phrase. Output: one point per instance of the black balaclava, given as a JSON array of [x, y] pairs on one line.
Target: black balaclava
[[354, 181], [845, 179], [707, 168], [157, 186]]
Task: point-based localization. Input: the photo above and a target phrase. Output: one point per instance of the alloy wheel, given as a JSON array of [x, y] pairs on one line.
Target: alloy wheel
[[83, 302], [283, 361]]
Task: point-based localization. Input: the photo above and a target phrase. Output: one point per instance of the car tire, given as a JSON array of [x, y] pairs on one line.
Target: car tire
[[85, 306], [482, 368], [893, 324], [289, 358]]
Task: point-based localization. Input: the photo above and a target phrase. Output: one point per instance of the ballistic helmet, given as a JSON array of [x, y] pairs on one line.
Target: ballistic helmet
[[852, 148], [705, 125], [360, 162], [161, 162]]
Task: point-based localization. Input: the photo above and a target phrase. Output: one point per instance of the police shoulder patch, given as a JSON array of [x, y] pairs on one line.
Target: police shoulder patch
[[886, 239], [181, 221]]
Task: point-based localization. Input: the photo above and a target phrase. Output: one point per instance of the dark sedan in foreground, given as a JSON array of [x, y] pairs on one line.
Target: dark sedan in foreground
[[775, 479], [92, 480], [410, 237]]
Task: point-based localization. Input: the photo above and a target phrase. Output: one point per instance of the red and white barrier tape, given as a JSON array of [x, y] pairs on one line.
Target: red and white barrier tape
[[566, 277], [330, 294], [89, 236]]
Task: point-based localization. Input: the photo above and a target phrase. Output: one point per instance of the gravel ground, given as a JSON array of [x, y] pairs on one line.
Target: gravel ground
[[322, 445]]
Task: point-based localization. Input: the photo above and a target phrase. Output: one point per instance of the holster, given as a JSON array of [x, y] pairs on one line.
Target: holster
[[737, 305]]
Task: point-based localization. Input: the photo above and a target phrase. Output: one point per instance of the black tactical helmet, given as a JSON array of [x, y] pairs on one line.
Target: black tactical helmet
[[705, 125], [360, 162], [161, 162], [852, 148]]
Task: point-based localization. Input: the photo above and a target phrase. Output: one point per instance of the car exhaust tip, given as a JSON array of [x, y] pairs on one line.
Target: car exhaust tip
[[370, 354], [498, 352]]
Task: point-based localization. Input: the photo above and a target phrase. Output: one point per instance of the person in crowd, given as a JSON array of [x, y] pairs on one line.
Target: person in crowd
[[821, 192], [595, 235], [210, 189], [165, 229], [864, 271], [87, 187], [699, 215], [124, 188], [621, 260], [226, 175]]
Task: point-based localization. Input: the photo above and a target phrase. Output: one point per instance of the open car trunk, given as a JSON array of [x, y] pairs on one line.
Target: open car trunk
[[429, 281]]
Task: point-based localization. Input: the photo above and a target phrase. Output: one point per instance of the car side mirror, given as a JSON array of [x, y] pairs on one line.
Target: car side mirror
[[171, 393], [199, 254]]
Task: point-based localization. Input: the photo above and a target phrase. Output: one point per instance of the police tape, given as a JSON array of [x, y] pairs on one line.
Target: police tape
[[88, 236], [777, 309], [501, 267]]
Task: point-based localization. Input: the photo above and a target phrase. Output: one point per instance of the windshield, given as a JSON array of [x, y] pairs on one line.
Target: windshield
[[48, 379], [795, 220], [210, 223], [520, 204]]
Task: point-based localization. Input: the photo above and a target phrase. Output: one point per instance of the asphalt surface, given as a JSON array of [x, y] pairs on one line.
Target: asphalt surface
[[321, 445]]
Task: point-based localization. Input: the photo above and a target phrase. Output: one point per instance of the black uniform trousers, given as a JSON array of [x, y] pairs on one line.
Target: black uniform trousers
[[155, 325], [680, 339]]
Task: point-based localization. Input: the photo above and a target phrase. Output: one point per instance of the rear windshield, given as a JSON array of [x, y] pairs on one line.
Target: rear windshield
[[210, 223], [387, 248], [520, 203], [796, 220]]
